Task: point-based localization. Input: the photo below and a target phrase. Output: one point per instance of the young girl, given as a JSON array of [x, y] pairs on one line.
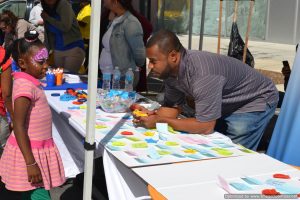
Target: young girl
[[31, 161]]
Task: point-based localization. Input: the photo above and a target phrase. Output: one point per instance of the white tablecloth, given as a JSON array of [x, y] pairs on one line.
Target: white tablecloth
[[199, 179], [122, 183]]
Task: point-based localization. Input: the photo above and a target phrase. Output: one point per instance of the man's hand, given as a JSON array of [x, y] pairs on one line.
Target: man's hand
[[142, 109], [147, 122]]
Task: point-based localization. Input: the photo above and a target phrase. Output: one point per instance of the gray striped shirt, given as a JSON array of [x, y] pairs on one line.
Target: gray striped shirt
[[220, 85]]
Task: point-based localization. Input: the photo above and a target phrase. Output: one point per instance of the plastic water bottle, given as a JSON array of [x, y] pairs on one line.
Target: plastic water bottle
[[129, 76], [106, 77], [116, 79]]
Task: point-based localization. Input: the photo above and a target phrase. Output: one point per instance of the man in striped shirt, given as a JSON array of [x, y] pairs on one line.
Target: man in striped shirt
[[230, 97]]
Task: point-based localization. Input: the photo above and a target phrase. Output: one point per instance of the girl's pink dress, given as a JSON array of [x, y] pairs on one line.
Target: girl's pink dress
[[13, 168]]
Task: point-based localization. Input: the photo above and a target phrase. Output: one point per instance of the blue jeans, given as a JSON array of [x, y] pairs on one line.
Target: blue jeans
[[246, 128]]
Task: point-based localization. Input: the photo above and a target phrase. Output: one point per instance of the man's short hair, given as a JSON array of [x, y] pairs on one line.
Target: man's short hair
[[166, 41]]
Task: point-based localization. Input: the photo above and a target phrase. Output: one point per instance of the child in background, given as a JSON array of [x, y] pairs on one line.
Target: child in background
[[31, 162], [5, 96]]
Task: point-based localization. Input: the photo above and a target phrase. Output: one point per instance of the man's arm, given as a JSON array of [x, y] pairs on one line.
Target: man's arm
[[190, 125], [169, 115]]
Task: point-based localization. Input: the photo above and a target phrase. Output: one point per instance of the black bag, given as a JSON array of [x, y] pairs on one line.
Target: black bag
[[236, 46]]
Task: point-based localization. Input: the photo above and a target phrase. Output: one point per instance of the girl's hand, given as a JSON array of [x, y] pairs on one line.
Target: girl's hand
[[34, 174]]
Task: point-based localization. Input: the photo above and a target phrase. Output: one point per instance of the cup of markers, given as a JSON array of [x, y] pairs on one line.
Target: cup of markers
[[54, 77]]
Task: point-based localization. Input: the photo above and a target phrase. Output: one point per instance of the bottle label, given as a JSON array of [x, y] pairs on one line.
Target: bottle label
[[117, 77], [129, 78], [106, 76]]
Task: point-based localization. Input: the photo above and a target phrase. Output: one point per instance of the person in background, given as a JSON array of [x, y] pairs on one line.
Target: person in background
[[31, 162], [14, 28], [63, 34], [5, 96], [229, 96], [84, 20], [35, 16], [147, 30], [124, 36]]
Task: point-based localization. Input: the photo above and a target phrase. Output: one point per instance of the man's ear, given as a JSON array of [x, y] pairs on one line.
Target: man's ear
[[21, 63], [173, 56]]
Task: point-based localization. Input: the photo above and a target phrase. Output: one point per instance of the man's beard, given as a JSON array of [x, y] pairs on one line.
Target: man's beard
[[166, 73]]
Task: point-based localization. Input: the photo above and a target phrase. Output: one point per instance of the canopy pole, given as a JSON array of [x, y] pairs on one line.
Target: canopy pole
[[220, 27], [248, 30], [92, 92], [235, 10], [191, 24], [202, 24]]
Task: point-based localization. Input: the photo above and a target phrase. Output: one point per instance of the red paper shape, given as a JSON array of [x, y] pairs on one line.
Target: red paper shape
[[270, 192], [282, 176], [126, 133]]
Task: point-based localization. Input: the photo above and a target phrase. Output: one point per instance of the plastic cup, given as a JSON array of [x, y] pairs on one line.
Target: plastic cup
[[59, 78], [50, 79]]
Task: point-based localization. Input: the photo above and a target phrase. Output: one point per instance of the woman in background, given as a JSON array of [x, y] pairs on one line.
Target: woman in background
[[63, 34], [15, 28], [122, 43]]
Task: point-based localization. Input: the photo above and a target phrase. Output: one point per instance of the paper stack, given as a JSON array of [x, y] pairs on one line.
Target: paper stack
[[71, 78]]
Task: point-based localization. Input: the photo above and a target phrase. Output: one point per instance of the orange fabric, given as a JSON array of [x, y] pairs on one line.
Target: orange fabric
[[155, 195], [297, 167]]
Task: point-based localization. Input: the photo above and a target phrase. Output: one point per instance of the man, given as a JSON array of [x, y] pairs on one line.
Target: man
[[230, 97]]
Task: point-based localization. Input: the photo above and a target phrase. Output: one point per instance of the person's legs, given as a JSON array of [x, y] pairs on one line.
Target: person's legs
[[59, 58], [246, 128], [70, 60], [37, 194], [4, 132]]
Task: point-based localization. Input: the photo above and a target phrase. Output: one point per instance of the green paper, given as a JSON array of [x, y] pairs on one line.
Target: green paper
[[134, 139], [170, 143], [118, 143], [223, 152], [163, 152], [246, 150], [140, 145], [171, 130]]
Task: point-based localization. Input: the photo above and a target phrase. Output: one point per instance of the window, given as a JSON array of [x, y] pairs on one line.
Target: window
[[17, 7]]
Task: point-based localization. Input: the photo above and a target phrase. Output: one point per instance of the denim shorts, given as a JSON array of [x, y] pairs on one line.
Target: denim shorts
[[4, 132], [246, 128]]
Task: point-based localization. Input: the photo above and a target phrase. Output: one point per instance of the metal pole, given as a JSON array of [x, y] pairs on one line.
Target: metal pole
[[191, 23], [92, 91], [202, 24], [248, 30], [220, 27]]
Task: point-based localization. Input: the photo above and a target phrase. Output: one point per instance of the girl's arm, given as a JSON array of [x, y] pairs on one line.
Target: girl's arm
[[6, 87], [21, 109]]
